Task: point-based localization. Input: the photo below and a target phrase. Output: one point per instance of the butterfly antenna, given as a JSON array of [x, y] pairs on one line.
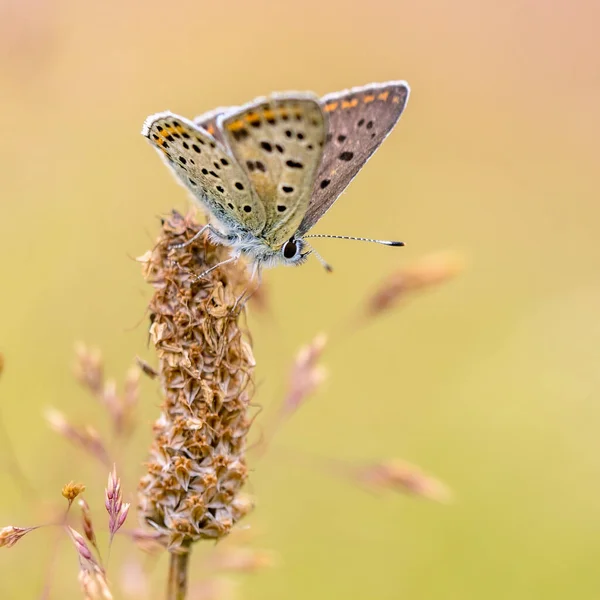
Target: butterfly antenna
[[325, 264], [356, 239]]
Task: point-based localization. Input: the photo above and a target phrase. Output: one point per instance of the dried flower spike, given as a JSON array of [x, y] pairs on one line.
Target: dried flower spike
[[197, 463]]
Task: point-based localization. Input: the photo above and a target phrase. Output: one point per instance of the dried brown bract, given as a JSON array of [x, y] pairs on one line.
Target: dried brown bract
[[197, 463], [146, 368]]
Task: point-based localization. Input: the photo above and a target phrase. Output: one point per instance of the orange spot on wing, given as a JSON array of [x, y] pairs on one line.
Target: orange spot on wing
[[236, 125], [252, 118], [331, 106], [396, 99], [349, 104], [268, 114], [368, 99], [383, 96], [210, 130]]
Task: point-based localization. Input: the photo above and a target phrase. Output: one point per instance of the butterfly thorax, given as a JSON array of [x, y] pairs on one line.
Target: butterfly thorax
[[258, 250]]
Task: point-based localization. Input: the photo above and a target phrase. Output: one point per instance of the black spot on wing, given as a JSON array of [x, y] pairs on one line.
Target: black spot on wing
[[293, 164]]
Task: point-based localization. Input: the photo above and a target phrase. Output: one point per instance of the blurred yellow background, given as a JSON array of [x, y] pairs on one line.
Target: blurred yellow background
[[491, 382]]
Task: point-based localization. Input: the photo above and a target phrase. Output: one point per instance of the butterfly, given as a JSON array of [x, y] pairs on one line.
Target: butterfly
[[267, 171]]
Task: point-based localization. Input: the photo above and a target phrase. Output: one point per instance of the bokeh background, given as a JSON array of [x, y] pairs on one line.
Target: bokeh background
[[491, 382]]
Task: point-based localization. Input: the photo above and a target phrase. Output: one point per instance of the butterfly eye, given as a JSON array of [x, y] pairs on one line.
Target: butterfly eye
[[290, 249]]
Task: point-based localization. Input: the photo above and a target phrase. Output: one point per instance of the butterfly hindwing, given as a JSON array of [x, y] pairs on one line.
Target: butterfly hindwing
[[207, 170], [359, 120], [208, 121], [279, 143]]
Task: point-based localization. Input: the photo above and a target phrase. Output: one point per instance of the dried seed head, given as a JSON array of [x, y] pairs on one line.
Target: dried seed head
[[92, 577], [9, 536], [89, 371], [86, 518], [82, 548], [94, 585], [151, 542], [197, 461], [71, 490], [307, 375], [89, 368], [399, 476], [113, 501], [427, 272], [86, 438]]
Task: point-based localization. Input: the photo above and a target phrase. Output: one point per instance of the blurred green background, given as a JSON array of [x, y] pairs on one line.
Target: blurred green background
[[491, 382]]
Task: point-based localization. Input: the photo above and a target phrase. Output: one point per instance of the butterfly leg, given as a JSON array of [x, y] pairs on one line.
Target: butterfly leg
[[223, 262], [250, 289], [217, 235]]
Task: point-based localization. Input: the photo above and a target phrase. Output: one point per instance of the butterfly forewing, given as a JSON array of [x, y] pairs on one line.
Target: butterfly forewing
[[279, 143], [359, 120], [205, 167]]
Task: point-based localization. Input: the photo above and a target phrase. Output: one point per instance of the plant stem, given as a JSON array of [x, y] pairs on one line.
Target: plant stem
[[178, 575]]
